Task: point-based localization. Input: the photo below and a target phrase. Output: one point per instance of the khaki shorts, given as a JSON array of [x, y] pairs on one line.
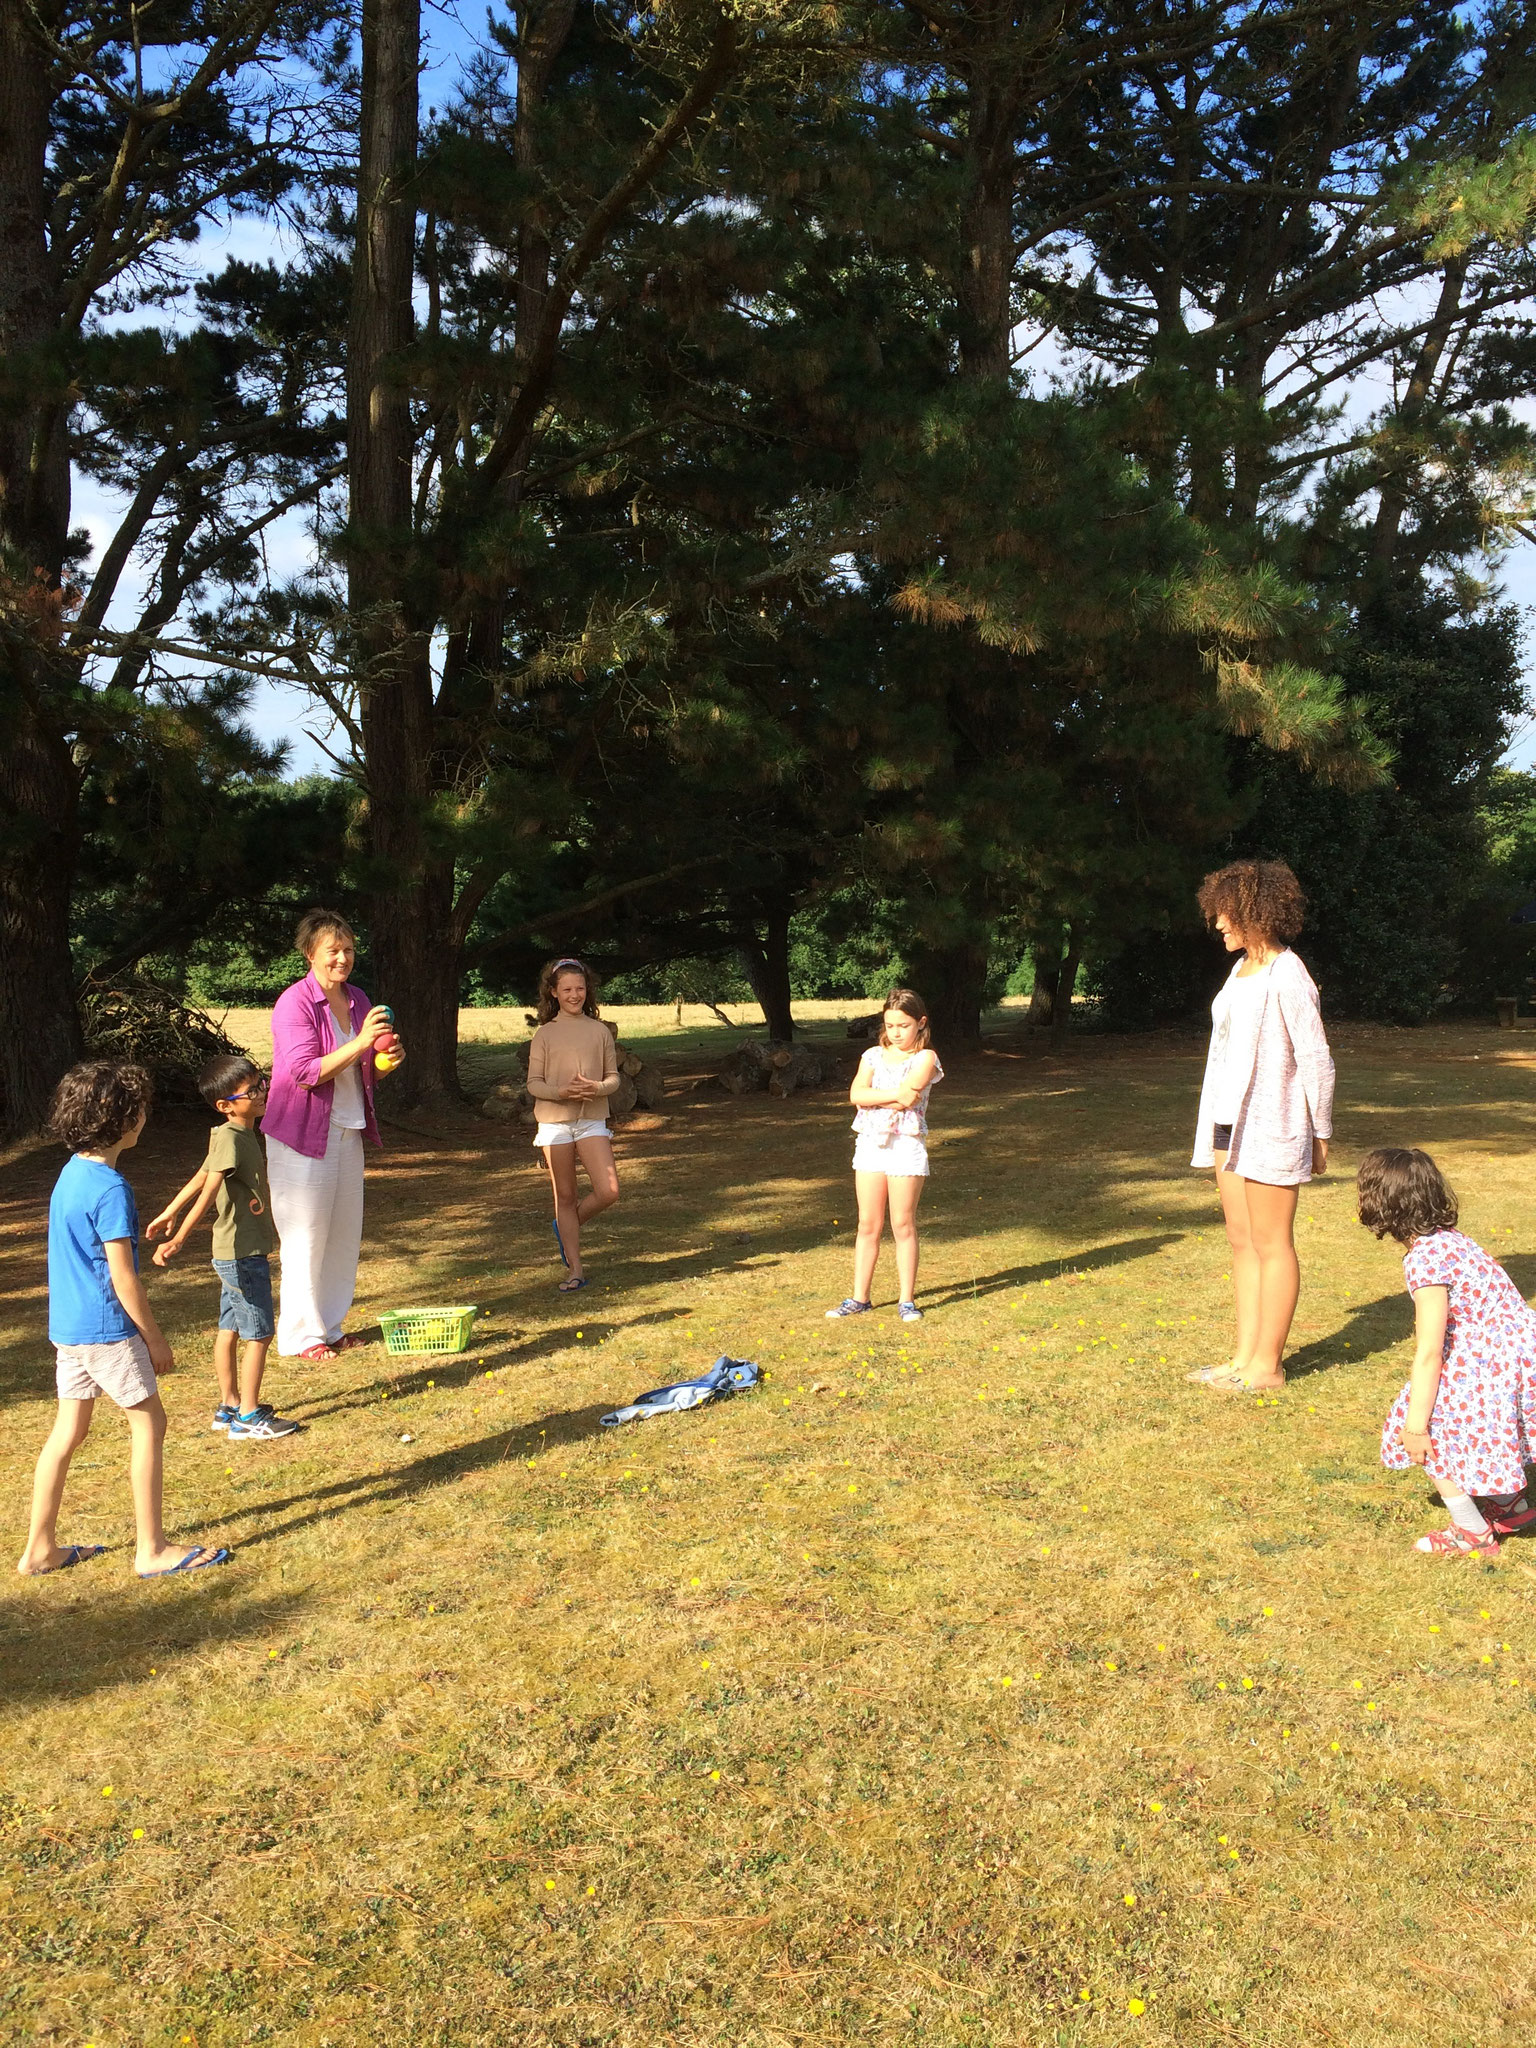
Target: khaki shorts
[[121, 1371]]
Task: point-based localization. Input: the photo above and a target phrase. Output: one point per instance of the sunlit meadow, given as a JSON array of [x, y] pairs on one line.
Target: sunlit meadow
[[978, 1682]]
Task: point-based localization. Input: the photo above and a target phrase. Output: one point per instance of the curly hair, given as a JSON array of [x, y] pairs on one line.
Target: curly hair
[[548, 1006], [910, 1004], [313, 926], [1260, 899], [1403, 1194], [97, 1102]]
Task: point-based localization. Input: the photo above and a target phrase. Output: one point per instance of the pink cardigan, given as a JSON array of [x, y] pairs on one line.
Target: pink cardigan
[[1289, 1097], [303, 1032]]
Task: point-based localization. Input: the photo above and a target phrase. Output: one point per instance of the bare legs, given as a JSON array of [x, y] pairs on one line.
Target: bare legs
[[596, 1155], [1266, 1278], [899, 1193], [240, 1390], [146, 1471]]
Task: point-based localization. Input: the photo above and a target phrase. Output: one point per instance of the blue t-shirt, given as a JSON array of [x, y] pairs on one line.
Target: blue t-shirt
[[91, 1204]]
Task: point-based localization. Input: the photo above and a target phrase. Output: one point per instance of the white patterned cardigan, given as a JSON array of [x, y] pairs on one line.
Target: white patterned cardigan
[[1288, 1100]]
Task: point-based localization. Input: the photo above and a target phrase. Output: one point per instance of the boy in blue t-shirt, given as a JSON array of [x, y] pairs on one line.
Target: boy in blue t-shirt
[[99, 1318]]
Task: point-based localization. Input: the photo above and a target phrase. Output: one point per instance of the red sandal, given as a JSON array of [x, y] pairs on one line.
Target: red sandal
[[318, 1354], [1508, 1524], [1454, 1542]]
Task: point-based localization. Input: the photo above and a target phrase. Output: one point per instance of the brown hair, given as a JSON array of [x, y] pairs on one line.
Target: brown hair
[[313, 926], [1403, 1194], [218, 1080], [550, 973], [97, 1102], [1260, 899], [910, 1004]]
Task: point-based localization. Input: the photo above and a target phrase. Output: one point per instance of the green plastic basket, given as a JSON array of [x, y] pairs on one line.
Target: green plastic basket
[[409, 1331]]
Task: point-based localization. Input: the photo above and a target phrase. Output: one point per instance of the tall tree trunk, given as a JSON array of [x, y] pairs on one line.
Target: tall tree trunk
[[39, 1024], [410, 883], [1061, 1016], [766, 959], [952, 982], [39, 782], [1042, 1001]]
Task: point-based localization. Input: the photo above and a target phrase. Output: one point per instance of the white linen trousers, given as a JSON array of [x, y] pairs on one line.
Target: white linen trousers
[[317, 1205]]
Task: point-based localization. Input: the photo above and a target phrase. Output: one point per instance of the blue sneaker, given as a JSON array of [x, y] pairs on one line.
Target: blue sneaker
[[909, 1311], [850, 1307], [223, 1415], [260, 1426]]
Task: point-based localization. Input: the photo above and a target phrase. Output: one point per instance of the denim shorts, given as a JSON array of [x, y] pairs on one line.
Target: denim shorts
[[245, 1298]]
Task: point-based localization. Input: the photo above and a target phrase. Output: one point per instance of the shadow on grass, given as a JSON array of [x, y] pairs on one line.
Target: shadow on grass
[[112, 1629], [1054, 1269], [439, 1468], [1372, 1327]]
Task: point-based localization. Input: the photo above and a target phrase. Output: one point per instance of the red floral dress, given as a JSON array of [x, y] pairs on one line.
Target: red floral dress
[[1484, 1419]]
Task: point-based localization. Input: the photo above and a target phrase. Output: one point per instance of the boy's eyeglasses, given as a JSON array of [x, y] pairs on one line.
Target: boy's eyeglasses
[[257, 1087]]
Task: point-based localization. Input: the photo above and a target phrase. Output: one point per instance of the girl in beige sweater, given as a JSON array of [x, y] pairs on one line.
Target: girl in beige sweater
[[572, 1070]]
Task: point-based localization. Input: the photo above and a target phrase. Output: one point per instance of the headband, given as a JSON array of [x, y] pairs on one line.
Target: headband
[[568, 962]]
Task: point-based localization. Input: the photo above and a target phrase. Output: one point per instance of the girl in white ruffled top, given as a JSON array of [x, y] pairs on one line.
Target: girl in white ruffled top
[[890, 1155]]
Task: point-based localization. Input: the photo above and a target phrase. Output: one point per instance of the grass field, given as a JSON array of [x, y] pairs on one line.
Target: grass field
[[976, 1683]]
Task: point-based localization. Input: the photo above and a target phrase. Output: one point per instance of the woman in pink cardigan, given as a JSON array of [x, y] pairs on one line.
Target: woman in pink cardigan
[[319, 1111], [1266, 1108]]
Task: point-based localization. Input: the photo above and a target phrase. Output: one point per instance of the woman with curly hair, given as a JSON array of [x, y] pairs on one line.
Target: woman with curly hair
[[1266, 1107]]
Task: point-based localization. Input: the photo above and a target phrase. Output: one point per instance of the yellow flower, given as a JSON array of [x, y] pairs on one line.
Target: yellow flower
[[591, 1891], [270, 1655], [138, 1834], [1045, 1550], [1108, 1666], [1334, 1747], [1434, 1628], [693, 1582], [1007, 1681], [1269, 1610], [1156, 1806], [1247, 1685], [549, 1884], [1222, 1840], [1130, 1898], [1135, 2007], [106, 1791], [714, 1777]]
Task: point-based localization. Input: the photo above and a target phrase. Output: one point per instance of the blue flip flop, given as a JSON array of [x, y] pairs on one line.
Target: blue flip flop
[[554, 1224], [77, 1553], [194, 1561], [572, 1286]]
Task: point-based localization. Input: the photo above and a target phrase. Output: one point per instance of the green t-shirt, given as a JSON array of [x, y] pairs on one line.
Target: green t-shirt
[[237, 1234]]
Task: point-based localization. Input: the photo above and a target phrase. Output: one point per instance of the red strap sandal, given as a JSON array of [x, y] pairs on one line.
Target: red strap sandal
[[1454, 1542], [318, 1354]]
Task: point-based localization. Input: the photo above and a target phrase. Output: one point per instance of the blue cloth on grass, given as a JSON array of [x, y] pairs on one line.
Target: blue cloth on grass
[[725, 1377]]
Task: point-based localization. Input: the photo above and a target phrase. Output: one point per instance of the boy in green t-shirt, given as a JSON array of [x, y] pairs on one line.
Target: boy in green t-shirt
[[233, 1180]]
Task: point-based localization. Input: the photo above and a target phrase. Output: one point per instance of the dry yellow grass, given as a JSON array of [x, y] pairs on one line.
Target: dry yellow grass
[[974, 1683]]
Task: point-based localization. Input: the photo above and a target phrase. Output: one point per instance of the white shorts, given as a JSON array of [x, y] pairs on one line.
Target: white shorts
[[569, 1134], [902, 1156], [121, 1371]]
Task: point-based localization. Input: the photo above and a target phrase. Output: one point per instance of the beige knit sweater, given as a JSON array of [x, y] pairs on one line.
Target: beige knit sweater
[[557, 1053]]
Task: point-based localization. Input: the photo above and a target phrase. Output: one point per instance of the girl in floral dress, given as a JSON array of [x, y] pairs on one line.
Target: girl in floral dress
[[1468, 1412]]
